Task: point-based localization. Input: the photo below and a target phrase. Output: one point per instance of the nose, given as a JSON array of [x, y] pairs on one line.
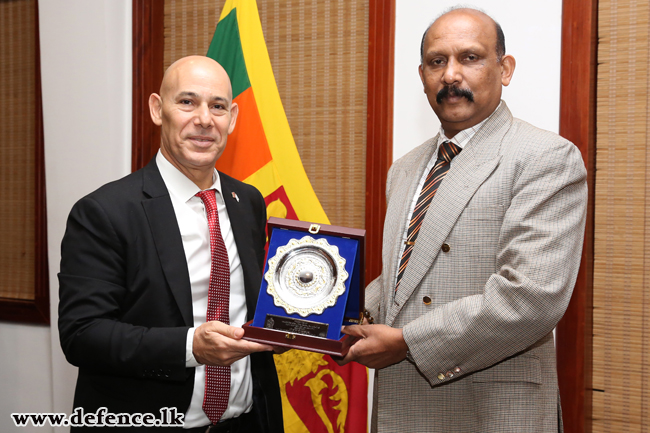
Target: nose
[[203, 117], [452, 73]]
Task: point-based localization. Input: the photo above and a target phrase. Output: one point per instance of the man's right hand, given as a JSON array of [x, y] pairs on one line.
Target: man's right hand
[[216, 343]]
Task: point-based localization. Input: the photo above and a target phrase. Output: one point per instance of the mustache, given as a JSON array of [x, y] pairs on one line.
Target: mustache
[[454, 91]]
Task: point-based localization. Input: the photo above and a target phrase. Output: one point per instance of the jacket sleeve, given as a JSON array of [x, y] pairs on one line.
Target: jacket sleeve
[[107, 323], [537, 258]]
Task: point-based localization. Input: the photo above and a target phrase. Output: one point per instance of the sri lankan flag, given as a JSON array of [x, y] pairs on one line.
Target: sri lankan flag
[[318, 396]]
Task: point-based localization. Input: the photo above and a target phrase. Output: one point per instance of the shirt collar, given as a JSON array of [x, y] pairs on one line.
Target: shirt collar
[[180, 185], [463, 137]]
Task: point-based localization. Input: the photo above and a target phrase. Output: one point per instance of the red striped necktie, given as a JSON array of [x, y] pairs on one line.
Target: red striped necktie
[[217, 378], [446, 153]]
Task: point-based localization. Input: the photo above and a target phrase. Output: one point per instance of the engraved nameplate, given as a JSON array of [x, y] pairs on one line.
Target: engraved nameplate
[[296, 326]]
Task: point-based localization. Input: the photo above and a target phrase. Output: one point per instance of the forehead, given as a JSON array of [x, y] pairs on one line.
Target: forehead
[[458, 30], [203, 81]]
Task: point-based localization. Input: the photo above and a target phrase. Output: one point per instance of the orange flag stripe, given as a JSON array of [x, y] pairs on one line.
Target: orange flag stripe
[[247, 150]]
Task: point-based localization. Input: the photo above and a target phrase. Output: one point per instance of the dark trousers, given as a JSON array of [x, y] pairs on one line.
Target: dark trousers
[[245, 423]]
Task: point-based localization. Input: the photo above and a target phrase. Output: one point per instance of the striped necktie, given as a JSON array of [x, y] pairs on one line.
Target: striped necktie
[[217, 378], [446, 153]]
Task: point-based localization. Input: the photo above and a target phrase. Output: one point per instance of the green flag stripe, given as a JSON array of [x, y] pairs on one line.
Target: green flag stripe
[[226, 49]]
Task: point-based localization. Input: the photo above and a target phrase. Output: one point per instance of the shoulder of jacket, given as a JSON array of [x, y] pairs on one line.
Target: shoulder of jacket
[[415, 155]]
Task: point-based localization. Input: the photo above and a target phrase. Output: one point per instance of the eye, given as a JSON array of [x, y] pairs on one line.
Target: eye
[[185, 102], [470, 58], [437, 62]]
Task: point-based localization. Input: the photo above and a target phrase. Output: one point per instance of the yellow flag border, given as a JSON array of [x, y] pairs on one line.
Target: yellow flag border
[[286, 159]]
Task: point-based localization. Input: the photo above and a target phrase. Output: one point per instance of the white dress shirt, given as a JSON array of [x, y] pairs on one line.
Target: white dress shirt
[[193, 225], [460, 139]]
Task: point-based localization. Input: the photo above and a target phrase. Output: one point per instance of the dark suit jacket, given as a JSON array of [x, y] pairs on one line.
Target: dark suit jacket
[[125, 299]]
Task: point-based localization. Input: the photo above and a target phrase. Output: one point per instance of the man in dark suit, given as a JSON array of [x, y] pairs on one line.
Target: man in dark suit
[[153, 270]]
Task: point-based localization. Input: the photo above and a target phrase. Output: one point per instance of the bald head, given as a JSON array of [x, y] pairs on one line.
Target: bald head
[[500, 39], [196, 114], [193, 66]]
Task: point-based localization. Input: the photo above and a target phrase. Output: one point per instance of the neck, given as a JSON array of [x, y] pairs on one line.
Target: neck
[[203, 182], [201, 176]]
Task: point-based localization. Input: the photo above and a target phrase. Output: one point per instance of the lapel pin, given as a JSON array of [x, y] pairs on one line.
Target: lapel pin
[[234, 195]]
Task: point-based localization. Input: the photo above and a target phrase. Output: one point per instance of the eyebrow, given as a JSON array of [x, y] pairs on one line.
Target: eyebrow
[[465, 49], [196, 95]]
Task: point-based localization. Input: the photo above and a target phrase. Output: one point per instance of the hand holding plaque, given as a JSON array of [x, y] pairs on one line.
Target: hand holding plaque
[[312, 286]]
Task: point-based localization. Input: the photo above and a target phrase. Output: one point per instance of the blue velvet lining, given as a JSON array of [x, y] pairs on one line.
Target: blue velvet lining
[[347, 304]]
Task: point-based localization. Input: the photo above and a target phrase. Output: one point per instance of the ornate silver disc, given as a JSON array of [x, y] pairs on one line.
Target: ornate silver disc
[[306, 276]]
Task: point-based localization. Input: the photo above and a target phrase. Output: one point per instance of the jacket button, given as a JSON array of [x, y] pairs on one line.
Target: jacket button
[[445, 248], [426, 300], [441, 376], [450, 374], [456, 370]]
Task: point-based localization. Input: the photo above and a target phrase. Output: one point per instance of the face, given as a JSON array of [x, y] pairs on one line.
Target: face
[[196, 112], [461, 74]]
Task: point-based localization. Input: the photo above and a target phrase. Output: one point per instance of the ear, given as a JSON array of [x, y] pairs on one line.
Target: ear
[[421, 72], [234, 111], [155, 108], [508, 64]]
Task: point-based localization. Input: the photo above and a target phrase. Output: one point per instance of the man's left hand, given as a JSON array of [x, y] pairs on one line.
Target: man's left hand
[[379, 345]]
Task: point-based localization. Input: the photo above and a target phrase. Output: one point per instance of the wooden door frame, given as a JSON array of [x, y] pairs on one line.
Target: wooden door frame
[[578, 124]]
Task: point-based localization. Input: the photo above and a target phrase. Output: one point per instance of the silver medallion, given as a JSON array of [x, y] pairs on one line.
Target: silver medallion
[[306, 276]]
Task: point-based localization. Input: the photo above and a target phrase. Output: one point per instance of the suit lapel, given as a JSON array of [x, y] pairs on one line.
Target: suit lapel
[[406, 181], [167, 238], [469, 170], [242, 239]]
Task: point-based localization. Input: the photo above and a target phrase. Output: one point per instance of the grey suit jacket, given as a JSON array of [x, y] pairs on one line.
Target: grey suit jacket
[[512, 210]]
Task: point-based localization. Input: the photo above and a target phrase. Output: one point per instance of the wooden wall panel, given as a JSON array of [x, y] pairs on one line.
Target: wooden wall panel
[[621, 403], [24, 282]]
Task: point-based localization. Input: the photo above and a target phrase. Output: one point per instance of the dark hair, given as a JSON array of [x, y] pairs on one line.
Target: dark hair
[[501, 41], [501, 38]]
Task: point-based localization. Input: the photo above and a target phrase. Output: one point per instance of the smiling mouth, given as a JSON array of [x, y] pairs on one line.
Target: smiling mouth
[[202, 139]]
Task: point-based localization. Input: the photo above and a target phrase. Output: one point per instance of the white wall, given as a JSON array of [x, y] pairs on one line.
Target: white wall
[[25, 374], [86, 78], [86, 75], [533, 35]]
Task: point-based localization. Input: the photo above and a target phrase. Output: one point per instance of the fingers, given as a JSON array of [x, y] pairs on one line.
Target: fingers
[[279, 350], [223, 329], [216, 343], [379, 346], [250, 347], [357, 345], [355, 330]]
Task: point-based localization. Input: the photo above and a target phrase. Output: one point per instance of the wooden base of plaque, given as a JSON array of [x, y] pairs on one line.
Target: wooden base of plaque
[[298, 341]]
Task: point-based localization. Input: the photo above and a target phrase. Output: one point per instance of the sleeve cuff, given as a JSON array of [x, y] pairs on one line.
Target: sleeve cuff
[[190, 361]]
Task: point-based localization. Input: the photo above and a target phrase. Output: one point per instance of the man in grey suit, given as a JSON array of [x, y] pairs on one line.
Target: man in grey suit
[[482, 244]]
